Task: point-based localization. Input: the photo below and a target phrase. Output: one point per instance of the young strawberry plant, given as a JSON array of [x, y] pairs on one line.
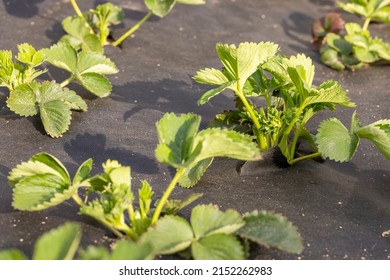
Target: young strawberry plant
[[43, 182], [52, 101], [91, 30], [357, 48], [285, 87]]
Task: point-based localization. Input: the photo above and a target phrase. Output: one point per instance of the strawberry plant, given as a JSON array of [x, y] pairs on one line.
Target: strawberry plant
[[285, 85], [91, 30], [43, 182], [357, 48], [52, 101]]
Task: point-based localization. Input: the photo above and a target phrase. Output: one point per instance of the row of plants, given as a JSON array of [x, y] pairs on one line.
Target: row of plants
[[149, 230], [251, 71], [350, 45]]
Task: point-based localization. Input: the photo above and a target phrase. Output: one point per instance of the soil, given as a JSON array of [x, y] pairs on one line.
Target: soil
[[342, 210]]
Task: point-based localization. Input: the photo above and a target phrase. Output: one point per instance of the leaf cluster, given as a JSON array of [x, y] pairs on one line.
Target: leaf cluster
[[285, 88], [90, 32], [354, 48], [44, 182]]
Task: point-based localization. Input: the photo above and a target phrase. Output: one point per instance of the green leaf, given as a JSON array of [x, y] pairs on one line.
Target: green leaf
[[58, 244], [207, 220], [173, 206], [160, 7], [145, 198], [62, 56], [330, 57], [216, 142], [210, 76], [42, 163], [305, 68], [379, 134], [40, 183], [76, 27], [193, 174], [214, 92], [335, 141], [73, 100], [176, 135], [91, 62], [83, 172], [169, 235], [29, 55], [338, 43], [12, 254], [271, 230], [56, 116], [329, 92], [96, 83], [129, 250], [22, 100], [218, 247]]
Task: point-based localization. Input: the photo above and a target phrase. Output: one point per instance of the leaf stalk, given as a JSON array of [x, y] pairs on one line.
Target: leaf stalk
[[132, 30], [167, 193]]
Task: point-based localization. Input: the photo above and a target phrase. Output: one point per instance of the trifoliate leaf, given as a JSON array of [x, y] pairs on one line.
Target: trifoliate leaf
[[207, 220], [58, 244], [271, 230], [129, 250], [218, 247], [12, 255], [169, 235], [334, 141], [379, 134], [29, 55]]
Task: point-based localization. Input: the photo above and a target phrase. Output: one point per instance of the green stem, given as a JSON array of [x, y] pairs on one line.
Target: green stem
[[166, 195], [132, 30], [77, 199], [67, 81], [366, 23], [76, 8], [295, 160]]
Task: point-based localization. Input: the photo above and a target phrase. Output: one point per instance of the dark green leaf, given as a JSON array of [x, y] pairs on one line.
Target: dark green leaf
[[271, 230]]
